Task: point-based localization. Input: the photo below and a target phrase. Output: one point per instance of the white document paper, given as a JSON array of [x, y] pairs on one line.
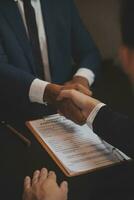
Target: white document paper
[[76, 147]]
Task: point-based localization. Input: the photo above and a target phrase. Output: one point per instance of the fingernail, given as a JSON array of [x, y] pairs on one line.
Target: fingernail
[[51, 173], [27, 178], [43, 170], [37, 172]]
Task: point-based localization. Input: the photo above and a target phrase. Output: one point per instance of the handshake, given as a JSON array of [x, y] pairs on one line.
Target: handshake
[[72, 100]]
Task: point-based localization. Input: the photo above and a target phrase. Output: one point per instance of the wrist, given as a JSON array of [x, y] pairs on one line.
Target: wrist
[[90, 106]]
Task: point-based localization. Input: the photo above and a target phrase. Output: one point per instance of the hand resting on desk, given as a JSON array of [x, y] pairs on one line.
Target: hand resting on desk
[[43, 186]]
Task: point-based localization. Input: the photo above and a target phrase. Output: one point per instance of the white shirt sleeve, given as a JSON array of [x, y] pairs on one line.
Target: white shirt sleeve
[[36, 91], [86, 73], [93, 114]]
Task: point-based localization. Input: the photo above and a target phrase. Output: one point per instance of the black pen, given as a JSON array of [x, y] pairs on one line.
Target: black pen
[[14, 131]]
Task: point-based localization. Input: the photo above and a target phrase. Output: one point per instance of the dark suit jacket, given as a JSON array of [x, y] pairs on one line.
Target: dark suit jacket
[[67, 41], [116, 129]]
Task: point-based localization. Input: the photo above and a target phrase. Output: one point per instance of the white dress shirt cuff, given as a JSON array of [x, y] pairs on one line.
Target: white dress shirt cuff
[[36, 91], [93, 114], [86, 73]]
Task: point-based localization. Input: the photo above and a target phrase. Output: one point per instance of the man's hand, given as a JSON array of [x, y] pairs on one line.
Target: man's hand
[[53, 90], [43, 186], [71, 111], [66, 107], [85, 103]]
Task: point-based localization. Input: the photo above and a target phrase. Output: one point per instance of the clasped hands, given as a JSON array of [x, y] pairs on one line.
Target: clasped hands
[[57, 95]]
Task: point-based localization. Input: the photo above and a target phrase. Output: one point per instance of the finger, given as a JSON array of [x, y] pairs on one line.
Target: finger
[[64, 187], [78, 87], [35, 178], [43, 175], [52, 175], [27, 183], [83, 90]]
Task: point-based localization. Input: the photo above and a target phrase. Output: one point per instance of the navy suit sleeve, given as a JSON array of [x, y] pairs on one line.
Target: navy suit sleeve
[[14, 83], [85, 52], [116, 129]]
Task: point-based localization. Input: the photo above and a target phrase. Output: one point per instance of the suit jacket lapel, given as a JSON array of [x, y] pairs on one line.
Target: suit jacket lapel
[[11, 12]]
